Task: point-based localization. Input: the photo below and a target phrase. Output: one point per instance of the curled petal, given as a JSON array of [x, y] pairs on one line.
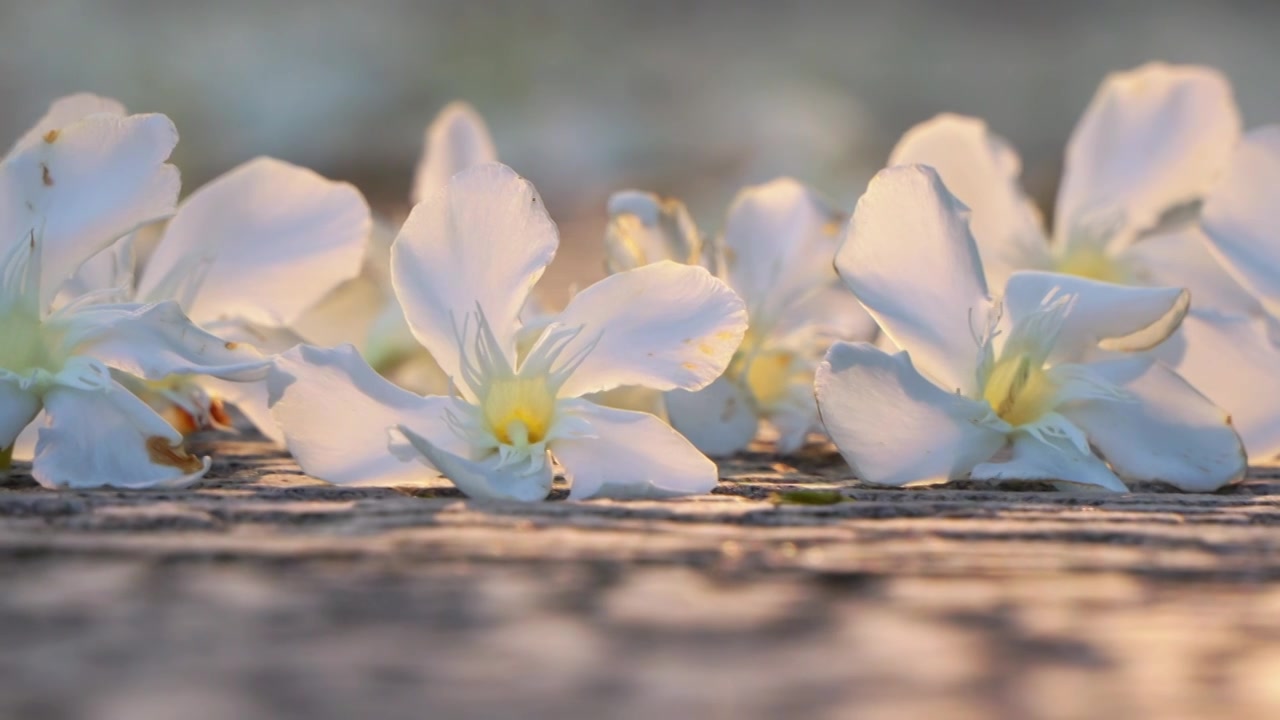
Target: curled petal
[[86, 185], [1242, 219], [1152, 138], [719, 419], [1056, 459], [982, 170], [456, 140], [645, 228], [910, 259], [271, 240], [1124, 318], [18, 407], [108, 437], [491, 478], [1164, 430], [897, 428], [336, 414], [662, 326], [482, 242], [251, 399], [631, 455], [154, 341]]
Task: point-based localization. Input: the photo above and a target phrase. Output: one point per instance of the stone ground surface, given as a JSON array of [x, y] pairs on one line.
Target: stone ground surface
[[262, 593]]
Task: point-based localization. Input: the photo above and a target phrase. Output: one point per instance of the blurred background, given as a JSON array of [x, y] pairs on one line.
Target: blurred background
[[585, 97]]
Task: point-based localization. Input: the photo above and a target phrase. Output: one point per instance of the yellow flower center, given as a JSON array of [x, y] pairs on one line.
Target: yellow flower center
[[769, 376], [1019, 392], [1092, 262], [518, 410]]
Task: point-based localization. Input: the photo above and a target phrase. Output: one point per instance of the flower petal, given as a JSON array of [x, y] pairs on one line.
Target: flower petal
[[631, 455], [1181, 258], [336, 414], [18, 407], [154, 341], [1232, 361], [780, 239], [490, 478], [910, 259], [719, 419], [108, 437], [456, 140], [275, 238], [1164, 430], [1152, 138], [893, 426], [981, 170], [662, 326], [1054, 459], [482, 241], [86, 185], [251, 399], [1123, 318], [1242, 219], [65, 111], [645, 228]]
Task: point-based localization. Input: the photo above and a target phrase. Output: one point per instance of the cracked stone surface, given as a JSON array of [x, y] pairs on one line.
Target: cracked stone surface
[[262, 593]]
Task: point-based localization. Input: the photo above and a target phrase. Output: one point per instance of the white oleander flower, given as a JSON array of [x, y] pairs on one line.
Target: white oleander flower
[[776, 252], [85, 176], [1150, 144], [462, 267], [1005, 389]]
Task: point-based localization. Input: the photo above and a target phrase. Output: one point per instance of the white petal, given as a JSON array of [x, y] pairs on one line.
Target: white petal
[[780, 239], [981, 170], [645, 228], [1242, 218], [1181, 258], [832, 312], [910, 259], [1165, 431], [662, 326], [895, 427], [490, 478], [275, 237], [1230, 359], [719, 419], [110, 269], [336, 414], [251, 399], [18, 407], [108, 437], [66, 110], [483, 241], [793, 426], [1049, 459], [456, 140], [154, 341], [81, 188], [1105, 315], [1152, 138], [631, 455]]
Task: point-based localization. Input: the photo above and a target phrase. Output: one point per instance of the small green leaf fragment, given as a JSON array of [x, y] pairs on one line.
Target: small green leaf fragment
[[807, 497]]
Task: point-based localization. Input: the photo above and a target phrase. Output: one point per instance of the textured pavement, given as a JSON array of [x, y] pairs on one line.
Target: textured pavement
[[263, 593]]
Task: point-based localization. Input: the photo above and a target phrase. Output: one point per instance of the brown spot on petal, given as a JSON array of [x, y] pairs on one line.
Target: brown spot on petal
[[181, 420], [689, 366], [231, 345], [45, 177], [52, 136], [162, 453]]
